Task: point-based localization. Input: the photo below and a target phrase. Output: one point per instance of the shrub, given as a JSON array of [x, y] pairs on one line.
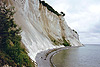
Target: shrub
[[49, 7], [65, 43], [62, 13], [75, 31], [10, 40]]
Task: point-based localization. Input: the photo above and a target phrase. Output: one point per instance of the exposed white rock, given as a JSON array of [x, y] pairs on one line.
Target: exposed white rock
[[39, 25], [6, 66]]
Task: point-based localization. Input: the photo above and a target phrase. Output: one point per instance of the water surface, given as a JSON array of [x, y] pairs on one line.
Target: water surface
[[87, 56]]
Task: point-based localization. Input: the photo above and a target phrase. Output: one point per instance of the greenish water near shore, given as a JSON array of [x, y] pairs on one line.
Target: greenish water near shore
[[87, 56]]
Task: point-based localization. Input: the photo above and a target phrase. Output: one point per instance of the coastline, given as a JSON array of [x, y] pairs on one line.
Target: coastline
[[44, 58], [57, 51]]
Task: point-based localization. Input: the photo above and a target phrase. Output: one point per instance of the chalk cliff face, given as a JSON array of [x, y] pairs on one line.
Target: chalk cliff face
[[41, 28]]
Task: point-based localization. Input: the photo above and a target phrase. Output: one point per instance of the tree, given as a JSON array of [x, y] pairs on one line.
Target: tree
[[10, 39], [8, 28], [62, 13]]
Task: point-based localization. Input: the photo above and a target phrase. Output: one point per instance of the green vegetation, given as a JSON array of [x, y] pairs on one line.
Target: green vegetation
[[75, 31], [61, 42], [49, 7], [62, 13], [55, 42], [65, 42], [6, 59], [11, 52]]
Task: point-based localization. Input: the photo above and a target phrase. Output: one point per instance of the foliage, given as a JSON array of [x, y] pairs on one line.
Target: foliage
[[49, 7], [11, 52], [6, 59], [59, 41], [63, 14], [75, 31], [65, 42], [55, 42]]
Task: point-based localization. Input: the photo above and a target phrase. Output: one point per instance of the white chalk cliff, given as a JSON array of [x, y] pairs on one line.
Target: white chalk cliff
[[40, 27]]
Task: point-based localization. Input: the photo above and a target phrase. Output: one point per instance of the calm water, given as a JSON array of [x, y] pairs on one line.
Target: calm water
[[88, 56]]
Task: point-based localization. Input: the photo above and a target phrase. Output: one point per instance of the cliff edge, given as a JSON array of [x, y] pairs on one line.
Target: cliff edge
[[42, 29]]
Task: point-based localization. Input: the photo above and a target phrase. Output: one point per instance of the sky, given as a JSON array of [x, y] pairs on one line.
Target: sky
[[82, 16]]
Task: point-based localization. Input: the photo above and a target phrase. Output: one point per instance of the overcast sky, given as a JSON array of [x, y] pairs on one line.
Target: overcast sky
[[81, 15]]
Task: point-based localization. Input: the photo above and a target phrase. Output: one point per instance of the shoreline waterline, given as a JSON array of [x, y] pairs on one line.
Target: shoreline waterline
[[44, 58], [57, 51], [87, 56]]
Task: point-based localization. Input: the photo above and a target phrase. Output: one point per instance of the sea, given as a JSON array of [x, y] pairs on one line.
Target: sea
[[86, 56]]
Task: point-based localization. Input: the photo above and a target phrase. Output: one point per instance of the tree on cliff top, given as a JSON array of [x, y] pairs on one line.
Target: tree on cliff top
[[62, 13]]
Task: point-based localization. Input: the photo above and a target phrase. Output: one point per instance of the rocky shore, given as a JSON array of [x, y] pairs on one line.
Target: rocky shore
[[44, 58]]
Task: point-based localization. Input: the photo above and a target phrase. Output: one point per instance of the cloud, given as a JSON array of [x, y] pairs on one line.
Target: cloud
[[94, 9], [81, 15], [90, 38], [96, 28]]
